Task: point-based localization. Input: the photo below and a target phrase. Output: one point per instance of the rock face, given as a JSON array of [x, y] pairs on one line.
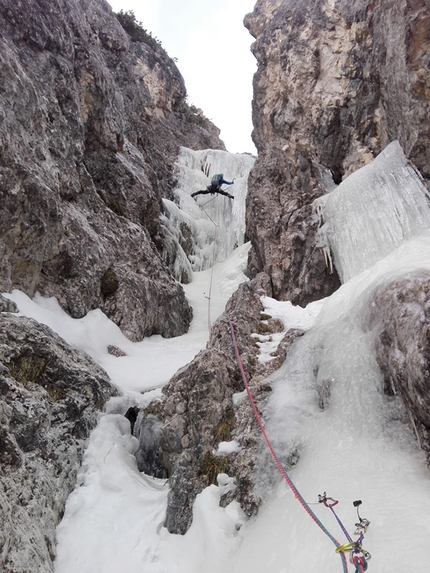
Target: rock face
[[204, 405], [336, 82], [400, 314], [90, 124], [50, 398]]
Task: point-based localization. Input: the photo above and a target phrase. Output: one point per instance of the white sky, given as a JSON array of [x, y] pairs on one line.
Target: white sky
[[209, 41]]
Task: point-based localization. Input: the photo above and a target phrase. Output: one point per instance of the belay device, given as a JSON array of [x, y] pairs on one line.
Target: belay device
[[359, 556]]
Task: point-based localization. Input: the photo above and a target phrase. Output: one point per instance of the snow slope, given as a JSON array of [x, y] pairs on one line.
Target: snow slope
[[360, 446]]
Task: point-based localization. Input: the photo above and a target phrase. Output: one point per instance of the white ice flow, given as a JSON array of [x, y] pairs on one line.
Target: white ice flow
[[359, 447], [217, 223], [392, 193]]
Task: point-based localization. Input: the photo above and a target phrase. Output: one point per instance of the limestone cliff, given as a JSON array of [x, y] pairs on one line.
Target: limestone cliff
[[336, 81], [91, 123], [50, 398]]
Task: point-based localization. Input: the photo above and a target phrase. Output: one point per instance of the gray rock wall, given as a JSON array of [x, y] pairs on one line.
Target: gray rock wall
[[336, 81], [399, 314], [91, 123], [50, 398]]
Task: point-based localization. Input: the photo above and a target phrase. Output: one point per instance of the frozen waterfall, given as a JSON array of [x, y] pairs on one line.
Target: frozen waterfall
[[208, 218], [327, 403], [373, 211], [328, 407]]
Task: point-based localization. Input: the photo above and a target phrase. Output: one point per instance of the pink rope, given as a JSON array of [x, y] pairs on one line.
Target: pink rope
[[275, 457]]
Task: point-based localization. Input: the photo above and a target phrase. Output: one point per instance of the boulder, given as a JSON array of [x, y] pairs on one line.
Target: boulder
[[51, 396]]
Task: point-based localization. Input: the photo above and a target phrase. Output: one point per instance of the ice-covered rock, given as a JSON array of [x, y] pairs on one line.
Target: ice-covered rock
[[336, 82], [399, 314], [209, 227]]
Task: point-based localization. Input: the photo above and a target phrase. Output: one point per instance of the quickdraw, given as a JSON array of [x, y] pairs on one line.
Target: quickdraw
[[359, 556]]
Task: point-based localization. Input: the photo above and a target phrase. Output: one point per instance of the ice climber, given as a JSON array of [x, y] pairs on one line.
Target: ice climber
[[215, 186]]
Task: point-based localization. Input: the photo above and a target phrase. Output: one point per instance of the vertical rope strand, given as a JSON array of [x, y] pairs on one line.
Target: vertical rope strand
[[211, 280], [213, 261]]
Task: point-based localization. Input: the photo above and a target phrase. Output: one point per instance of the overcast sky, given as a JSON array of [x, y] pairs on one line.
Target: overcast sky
[[212, 48]]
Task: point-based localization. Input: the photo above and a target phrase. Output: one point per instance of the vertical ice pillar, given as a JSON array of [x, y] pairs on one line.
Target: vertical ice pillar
[[373, 211], [215, 223]]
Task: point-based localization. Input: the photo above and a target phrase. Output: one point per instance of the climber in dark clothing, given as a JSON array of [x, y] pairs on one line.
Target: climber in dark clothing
[[215, 186]]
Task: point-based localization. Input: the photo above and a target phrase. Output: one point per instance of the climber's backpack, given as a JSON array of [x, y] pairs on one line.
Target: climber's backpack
[[216, 179]]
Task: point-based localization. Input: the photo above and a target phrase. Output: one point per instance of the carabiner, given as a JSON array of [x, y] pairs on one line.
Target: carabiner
[[324, 499]]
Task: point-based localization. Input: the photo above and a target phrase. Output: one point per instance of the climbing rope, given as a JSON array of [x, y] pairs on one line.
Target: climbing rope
[[202, 207], [330, 503], [275, 457], [211, 279], [207, 202], [359, 556]]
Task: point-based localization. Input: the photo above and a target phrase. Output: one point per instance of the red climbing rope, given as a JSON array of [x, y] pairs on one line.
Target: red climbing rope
[[275, 457]]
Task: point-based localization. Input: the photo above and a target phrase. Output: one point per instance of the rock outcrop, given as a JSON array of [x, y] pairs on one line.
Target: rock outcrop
[[336, 82], [91, 123], [204, 405], [51, 395], [400, 316]]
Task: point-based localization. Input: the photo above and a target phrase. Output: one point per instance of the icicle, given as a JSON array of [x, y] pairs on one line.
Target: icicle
[[322, 235], [318, 208], [374, 210], [322, 242], [194, 170]]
